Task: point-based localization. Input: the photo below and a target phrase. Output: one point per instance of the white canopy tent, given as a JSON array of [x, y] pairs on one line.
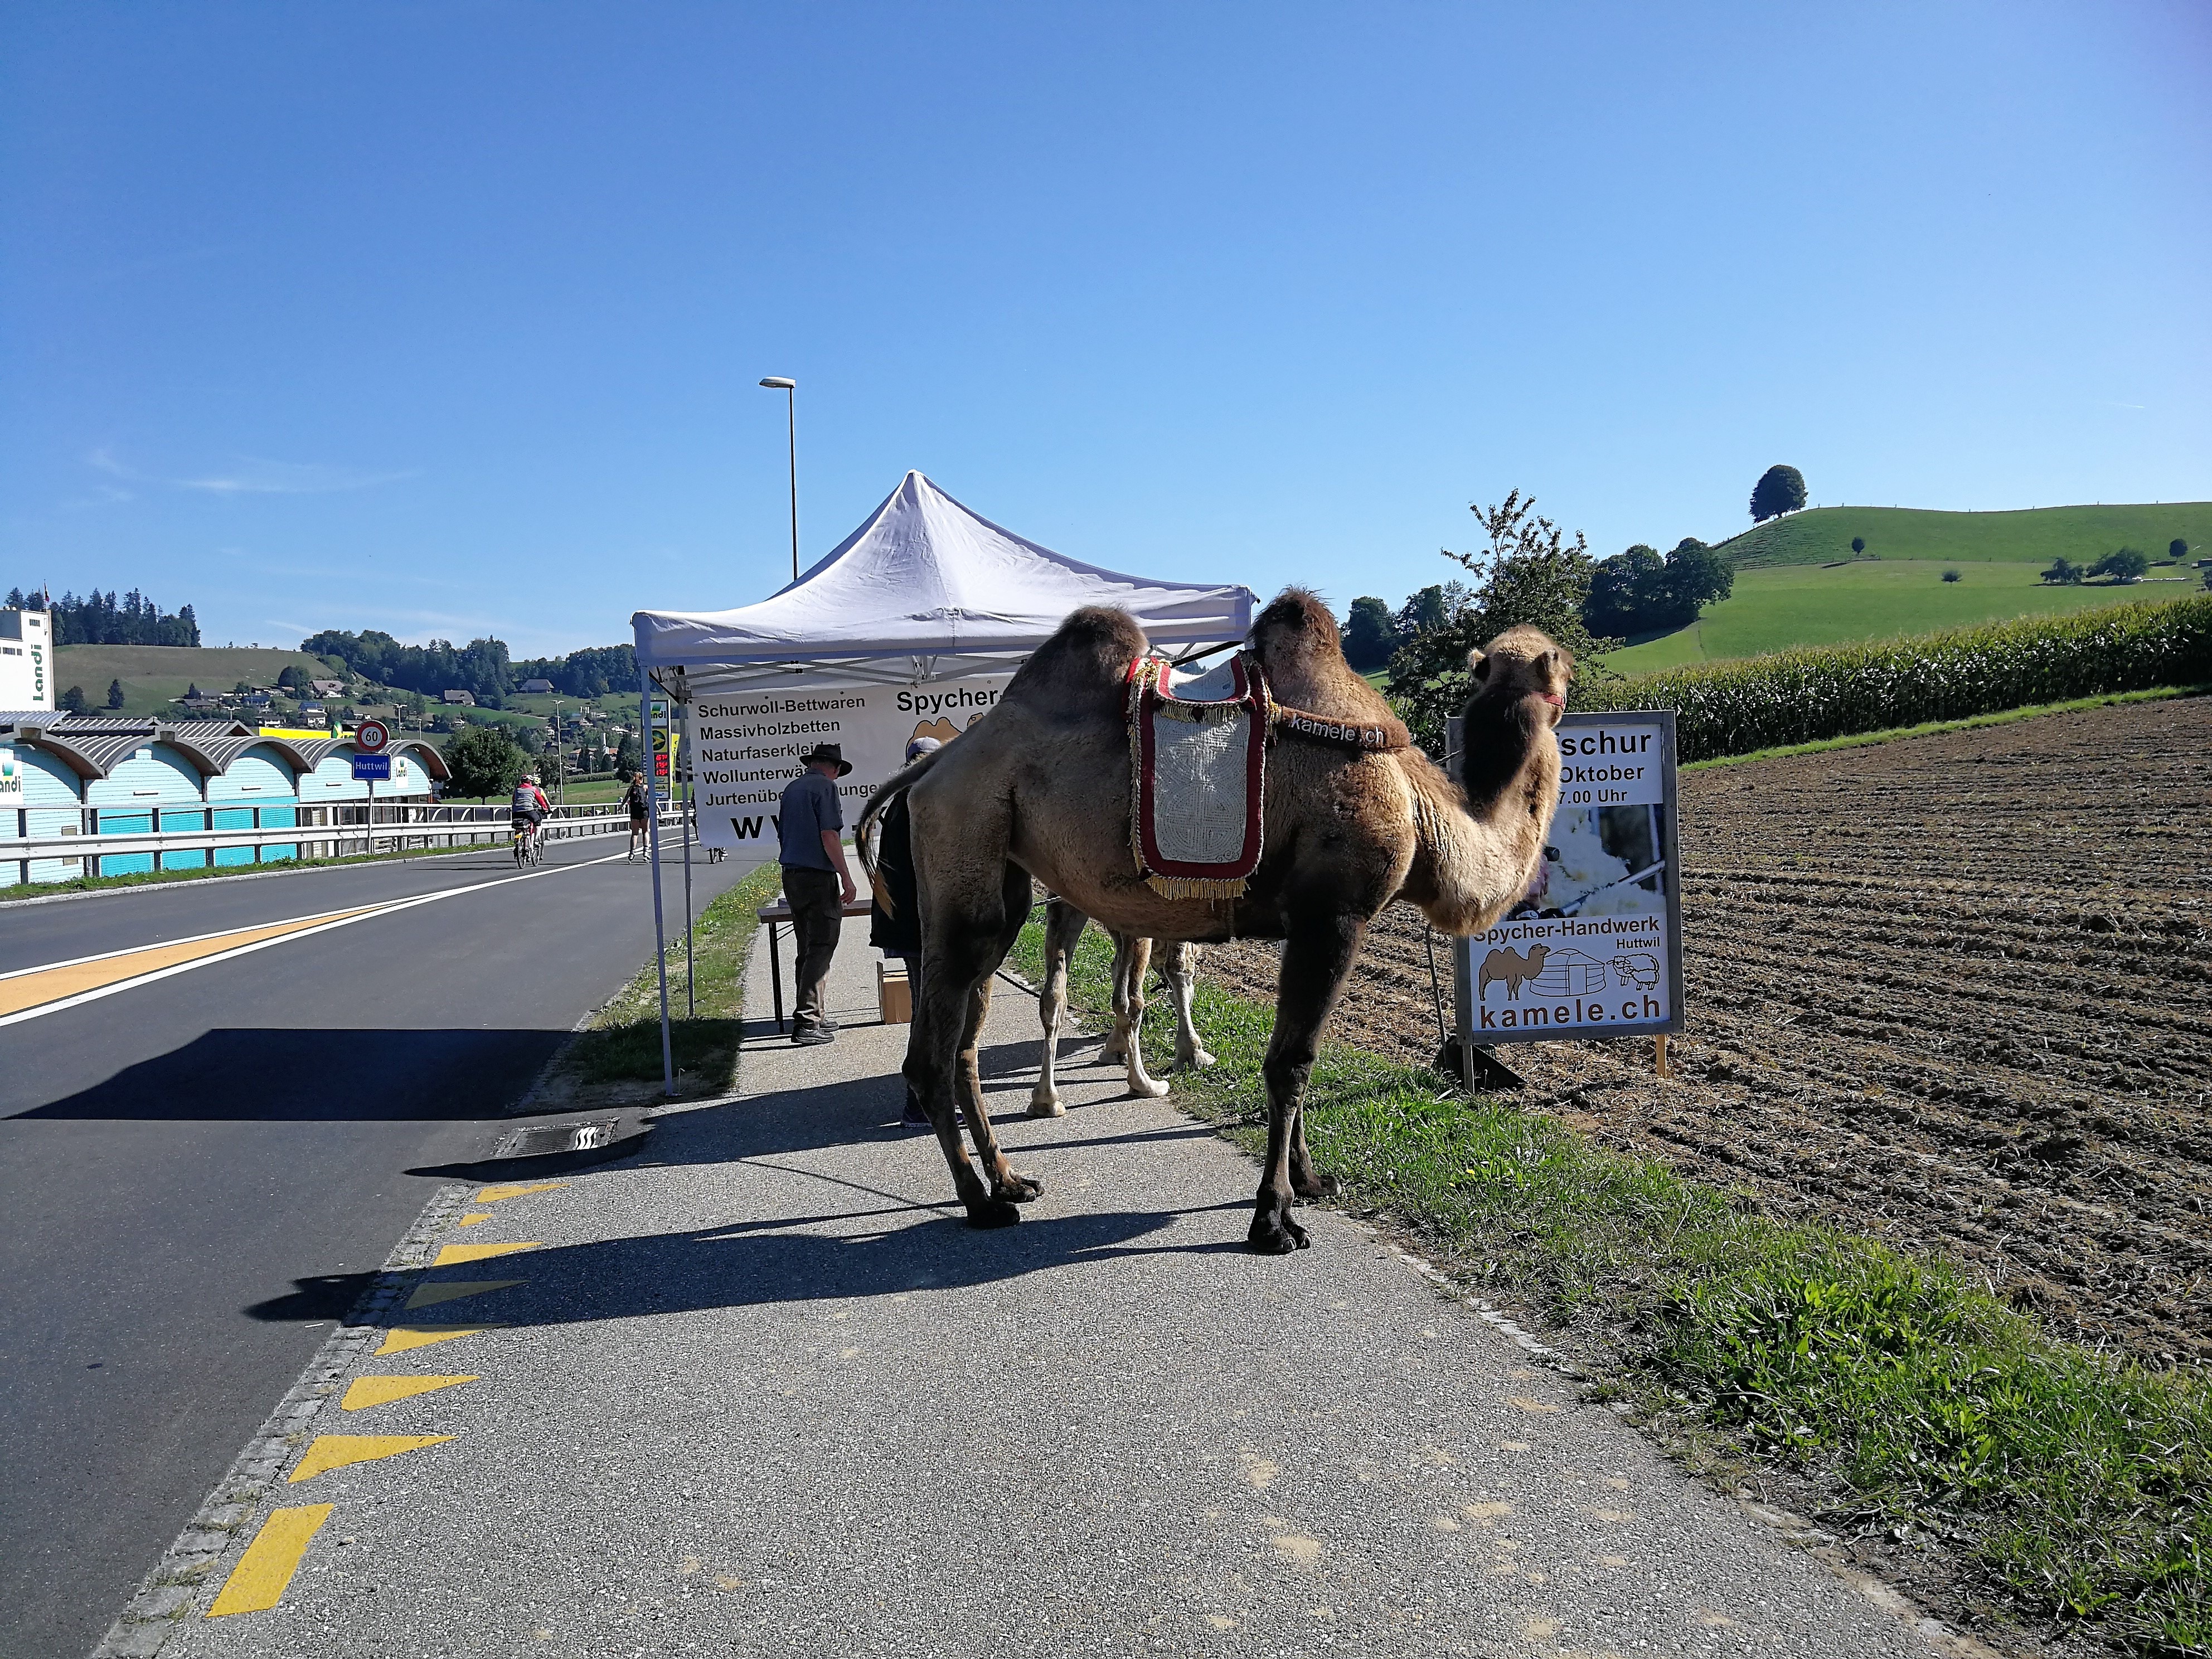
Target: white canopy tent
[[926, 591]]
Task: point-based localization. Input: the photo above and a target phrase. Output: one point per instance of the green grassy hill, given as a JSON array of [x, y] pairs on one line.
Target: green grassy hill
[[1797, 583], [153, 674], [2032, 536]]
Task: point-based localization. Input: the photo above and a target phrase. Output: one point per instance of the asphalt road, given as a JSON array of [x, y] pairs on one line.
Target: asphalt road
[[198, 1172]]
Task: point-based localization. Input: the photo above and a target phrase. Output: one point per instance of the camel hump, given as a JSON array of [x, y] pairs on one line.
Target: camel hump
[[1297, 644], [1090, 651]]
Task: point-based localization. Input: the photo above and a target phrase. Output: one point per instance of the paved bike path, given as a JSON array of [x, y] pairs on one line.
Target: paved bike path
[[762, 1392]]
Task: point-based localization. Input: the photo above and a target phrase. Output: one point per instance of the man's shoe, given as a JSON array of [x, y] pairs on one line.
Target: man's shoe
[[811, 1037]]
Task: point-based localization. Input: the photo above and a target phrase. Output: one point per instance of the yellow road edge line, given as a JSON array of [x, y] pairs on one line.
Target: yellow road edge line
[[33, 987], [132, 984], [188, 939], [265, 1572]]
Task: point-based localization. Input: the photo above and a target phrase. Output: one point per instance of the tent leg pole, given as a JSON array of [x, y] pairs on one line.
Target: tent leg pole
[[653, 842], [675, 766]]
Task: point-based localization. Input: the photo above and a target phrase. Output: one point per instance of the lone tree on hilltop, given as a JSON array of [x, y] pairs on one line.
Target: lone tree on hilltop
[[484, 763], [1858, 545], [2177, 549], [1780, 489], [115, 694], [1368, 638]]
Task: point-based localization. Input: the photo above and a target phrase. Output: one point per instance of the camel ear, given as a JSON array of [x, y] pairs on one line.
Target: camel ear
[[1478, 665]]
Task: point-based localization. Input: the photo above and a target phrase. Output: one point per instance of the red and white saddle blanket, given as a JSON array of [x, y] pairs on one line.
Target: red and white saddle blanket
[[1198, 755]]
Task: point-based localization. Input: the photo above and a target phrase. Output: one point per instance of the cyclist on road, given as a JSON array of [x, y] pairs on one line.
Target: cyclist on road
[[530, 808]]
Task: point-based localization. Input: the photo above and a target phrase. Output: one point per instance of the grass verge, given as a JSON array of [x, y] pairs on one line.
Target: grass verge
[[622, 1044], [1932, 728], [2064, 1483]]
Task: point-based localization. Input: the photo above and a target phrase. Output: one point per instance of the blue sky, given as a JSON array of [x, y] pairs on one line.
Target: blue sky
[[446, 319]]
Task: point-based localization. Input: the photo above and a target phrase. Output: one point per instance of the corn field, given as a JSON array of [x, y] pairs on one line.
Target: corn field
[[1833, 691]]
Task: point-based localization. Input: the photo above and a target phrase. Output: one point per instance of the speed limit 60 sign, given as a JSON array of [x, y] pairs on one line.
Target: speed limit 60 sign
[[370, 737]]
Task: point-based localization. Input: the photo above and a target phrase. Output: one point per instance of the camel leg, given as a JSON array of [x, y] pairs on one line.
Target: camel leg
[[1116, 1047], [1063, 927], [1180, 968], [1129, 1016], [963, 945], [1316, 957]]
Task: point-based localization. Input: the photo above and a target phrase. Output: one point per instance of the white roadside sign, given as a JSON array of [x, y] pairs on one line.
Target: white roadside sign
[[745, 747], [1595, 948]]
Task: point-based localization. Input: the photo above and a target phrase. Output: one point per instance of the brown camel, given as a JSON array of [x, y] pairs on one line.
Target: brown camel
[[1063, 927], [1510, 968], [1039, 789]]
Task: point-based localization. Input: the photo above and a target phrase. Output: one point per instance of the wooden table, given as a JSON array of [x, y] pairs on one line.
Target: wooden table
[[774, 915]]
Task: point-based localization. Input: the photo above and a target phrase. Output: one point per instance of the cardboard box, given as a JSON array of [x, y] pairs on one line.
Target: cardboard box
[[893, 993]]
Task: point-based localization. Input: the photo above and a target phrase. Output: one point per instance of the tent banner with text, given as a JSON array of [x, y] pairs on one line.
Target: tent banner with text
[[745, 747]]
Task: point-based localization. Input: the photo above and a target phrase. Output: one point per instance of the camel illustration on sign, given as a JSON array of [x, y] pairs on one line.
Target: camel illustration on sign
[[1510, 968], [943, 729]]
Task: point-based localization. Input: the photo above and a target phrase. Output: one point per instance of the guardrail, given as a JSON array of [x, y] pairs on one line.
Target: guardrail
[[338, 830]]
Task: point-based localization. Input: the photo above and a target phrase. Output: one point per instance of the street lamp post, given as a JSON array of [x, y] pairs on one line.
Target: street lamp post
[[790, 388]]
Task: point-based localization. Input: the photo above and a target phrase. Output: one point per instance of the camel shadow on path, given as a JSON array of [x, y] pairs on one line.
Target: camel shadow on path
[[841, 1232]]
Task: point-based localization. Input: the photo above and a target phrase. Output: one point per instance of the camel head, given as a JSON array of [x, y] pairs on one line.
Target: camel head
[[1523, 674]]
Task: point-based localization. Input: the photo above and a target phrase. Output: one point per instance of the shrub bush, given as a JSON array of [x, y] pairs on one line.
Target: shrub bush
[[1802, 696]]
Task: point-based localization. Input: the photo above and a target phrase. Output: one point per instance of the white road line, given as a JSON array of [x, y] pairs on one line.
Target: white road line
[[341, 920]]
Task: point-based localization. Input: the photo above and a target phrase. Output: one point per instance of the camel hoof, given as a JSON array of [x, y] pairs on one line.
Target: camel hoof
[[1196, 1062], [993, 1212], [1047, 1106], [1018, 1189], [1275, 1236], [1111, 1055], [1315, 1186], [1146, 1089]]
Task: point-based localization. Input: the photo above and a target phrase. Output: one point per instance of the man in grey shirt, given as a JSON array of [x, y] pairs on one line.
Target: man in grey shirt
[[816, 880]]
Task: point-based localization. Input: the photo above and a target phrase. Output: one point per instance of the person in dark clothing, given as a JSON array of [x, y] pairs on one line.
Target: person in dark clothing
[[896, 927], [816, 880]]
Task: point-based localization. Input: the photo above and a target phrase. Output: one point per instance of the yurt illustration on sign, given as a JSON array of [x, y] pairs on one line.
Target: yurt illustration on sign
[[1570, 974]]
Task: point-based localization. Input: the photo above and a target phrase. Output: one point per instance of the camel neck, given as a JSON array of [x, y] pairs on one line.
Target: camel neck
[[1496, 749]]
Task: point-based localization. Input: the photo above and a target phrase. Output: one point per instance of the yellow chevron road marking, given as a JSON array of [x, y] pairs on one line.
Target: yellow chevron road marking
[[258, 1583], [366, 1391], [453, 1255], [401, 1338], [338, 1451], [493, 1195], [453, 1289]]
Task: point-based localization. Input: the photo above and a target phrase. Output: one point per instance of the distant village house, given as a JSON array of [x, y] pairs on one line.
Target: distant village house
[[537, 687], [462, 699]]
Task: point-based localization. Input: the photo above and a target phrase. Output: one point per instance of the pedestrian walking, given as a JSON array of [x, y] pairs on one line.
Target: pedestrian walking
[[639, 799], [816, 880], [896, 927]]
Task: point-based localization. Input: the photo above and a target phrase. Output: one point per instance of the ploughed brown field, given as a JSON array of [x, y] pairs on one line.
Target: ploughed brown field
[[1955, 991]]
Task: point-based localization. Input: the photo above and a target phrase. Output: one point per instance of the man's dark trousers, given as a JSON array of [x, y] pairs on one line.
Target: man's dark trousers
[[818, 910]]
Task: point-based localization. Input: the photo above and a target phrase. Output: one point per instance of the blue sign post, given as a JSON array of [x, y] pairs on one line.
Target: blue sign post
[[375, 766]]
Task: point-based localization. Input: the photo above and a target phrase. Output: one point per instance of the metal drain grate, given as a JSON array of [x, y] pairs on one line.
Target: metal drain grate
[[548, 1138]]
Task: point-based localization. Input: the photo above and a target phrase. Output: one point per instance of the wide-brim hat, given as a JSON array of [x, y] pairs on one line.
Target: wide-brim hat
[[828, 752]]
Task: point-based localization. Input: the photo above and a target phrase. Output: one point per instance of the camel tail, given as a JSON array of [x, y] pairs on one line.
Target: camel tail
[[888, 791]]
